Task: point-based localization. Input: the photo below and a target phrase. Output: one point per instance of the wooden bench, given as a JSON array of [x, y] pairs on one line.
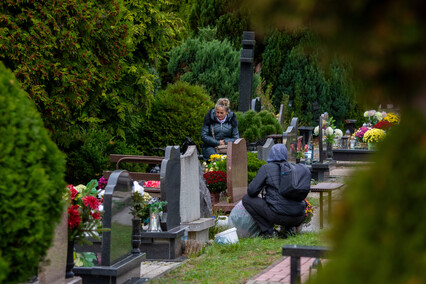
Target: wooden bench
[[325, 187], [137, 176]]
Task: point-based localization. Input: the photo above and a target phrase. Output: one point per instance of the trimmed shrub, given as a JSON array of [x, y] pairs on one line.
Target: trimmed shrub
[[253, 165], [254, 126], [177, 113], [212, 64], [32, 183]]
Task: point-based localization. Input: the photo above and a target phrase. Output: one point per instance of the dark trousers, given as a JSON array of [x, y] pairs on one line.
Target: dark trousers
[[265, 217]]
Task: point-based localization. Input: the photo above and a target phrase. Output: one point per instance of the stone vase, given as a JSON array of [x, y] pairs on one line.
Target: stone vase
[[372, 146], [136, 235], [70, 260]]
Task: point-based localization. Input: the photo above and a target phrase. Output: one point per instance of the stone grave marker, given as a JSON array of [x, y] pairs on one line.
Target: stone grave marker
[[117, 264], [236, 164], [263, 151], [246, 71], [290, 138], [281, 115], [198, 228]]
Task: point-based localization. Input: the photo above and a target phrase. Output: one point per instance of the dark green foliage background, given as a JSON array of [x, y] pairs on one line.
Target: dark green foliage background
[[212, 64], [253, 165], [254, 126], [177, 112], [32, 185]]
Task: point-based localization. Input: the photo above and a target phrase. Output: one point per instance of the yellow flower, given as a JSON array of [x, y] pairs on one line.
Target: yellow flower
[[374, 135], [392, 118]]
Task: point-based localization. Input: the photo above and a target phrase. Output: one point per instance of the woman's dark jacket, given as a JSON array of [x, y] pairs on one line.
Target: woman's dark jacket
[[268, 177], [227, 131]]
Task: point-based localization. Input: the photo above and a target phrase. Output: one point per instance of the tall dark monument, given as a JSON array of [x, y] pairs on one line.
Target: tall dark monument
[[246, 71]]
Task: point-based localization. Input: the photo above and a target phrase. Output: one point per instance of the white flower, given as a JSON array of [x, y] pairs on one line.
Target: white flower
[[338, 133], [371, 112], [366, 114], [329, 131], [80, 188], [101, 193], [384, 114], [101, 208], [138, 188], [316, 130]]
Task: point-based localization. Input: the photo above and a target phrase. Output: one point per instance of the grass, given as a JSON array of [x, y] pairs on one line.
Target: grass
[[235, 263]]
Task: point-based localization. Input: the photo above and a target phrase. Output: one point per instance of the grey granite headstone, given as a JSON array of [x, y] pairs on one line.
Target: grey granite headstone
[[189, 185], [281, 116], [246, 71], [263, 151], [170, 186], [236, 164]]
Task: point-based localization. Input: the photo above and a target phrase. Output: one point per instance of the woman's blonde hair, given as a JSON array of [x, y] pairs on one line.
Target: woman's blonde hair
[[223, 103]]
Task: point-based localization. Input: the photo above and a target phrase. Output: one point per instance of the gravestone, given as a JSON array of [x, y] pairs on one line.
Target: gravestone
[[246, 71], [263, 151], [167, 245], [281, 116], [290, 138], [198, 228], [256, 104], [236, 164], [117, 263]]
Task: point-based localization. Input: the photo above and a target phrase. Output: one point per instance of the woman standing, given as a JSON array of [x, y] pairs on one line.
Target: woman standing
[[220, 127], [273, 208]]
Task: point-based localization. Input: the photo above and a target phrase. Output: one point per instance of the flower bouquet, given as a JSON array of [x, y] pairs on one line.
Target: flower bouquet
[[84, 212], [374, 116], [216, 181], [374, 135], [309, 212], [139, 206], [217, 162], [383, 125], [359, 134], [392, 118]]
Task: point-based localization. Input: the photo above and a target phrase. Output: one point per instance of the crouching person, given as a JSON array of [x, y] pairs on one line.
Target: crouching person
[[272, 208]]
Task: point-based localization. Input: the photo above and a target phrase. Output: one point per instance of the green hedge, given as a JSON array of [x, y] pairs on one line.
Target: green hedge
[[257, 125], [31, 186], [177, 113]]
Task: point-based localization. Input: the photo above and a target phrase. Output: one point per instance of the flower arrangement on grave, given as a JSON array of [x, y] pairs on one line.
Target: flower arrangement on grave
[[384, 124], [151, 183], [84, 212], [216, 181], [139, 206], [217, 162], [392, 118], [309, 212], [300, 150], [374, 135], [359, 134], [155, 205], [374, 116], [328, 130]]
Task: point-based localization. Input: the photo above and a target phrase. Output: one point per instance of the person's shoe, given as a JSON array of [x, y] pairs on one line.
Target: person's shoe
[[267, 235]]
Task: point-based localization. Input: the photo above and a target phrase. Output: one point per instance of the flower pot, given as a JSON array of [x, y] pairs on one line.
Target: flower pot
[[372, 145], [329, 152], [215, 197]]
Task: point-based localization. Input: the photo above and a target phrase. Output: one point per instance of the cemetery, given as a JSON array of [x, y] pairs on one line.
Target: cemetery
[[110, 113]]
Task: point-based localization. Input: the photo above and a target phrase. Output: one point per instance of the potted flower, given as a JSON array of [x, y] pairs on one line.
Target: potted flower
[[374, 116], [392, 118], [84, 218], [374, 136], [216, 183], [359, 134]]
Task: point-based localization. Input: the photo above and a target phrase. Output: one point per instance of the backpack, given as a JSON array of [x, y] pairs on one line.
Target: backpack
[[295, 181]]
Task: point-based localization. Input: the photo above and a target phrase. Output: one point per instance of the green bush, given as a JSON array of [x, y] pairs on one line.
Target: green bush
[[32, 183], [89, 155], [212, 64], [253, 165], [177, 112], [380, 219], [254, 126]]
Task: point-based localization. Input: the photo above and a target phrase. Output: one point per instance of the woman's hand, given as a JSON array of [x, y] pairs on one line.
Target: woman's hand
[[221, 142]]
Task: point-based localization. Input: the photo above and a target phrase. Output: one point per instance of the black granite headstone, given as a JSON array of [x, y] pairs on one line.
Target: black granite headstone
[[246, 71], [170, 187]]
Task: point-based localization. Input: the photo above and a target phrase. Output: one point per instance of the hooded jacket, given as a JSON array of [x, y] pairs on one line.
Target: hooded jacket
[[268, 178], [227, 131]]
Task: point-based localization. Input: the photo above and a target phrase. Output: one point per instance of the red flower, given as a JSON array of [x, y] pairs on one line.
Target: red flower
[[91, 202], [74, 218], [384, 124], [73, 191], [96, 215]]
